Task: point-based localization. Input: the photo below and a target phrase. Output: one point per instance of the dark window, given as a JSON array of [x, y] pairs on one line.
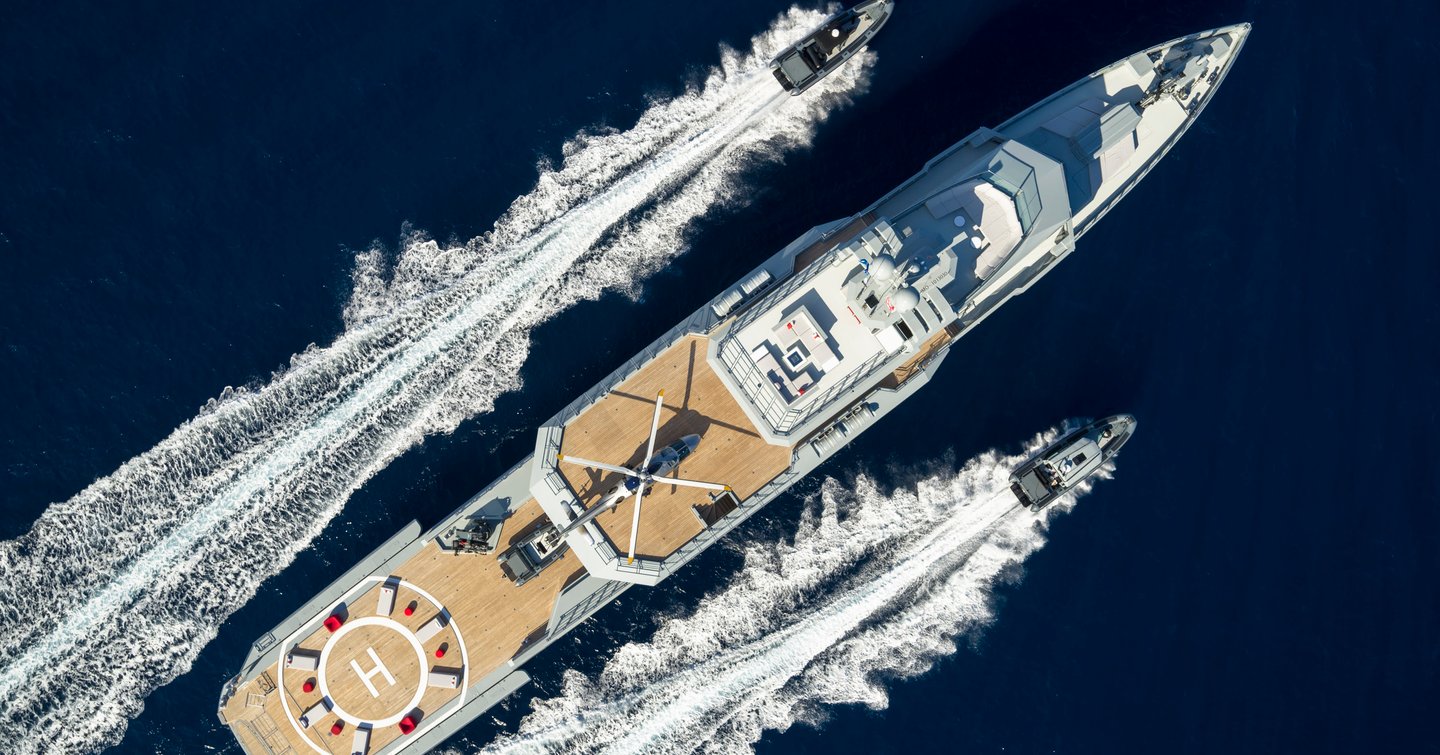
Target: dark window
[[1079, 458], [871, 302], [904, 330]]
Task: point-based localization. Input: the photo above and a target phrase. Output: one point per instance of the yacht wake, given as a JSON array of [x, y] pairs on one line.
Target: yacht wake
[[114, 592], [874, 586]]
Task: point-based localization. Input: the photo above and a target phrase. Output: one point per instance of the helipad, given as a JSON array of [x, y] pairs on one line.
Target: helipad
[[376, 674], [388, 663]]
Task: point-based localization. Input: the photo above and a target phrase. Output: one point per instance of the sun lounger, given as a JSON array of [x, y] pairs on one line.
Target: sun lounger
[[387, 598], [313, 715], [360, 745], [302, 660], [443, 678], [430, 629]]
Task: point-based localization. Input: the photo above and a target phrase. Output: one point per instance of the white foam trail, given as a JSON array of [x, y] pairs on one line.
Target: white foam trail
[[874, 586], [115, 591]]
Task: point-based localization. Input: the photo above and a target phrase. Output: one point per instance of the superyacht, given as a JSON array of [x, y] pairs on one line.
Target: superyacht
[[753, 391]]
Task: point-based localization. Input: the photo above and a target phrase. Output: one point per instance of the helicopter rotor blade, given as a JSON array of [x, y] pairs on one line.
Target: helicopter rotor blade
[[635, 521], [654, 427], [692, 483], [597, 464]]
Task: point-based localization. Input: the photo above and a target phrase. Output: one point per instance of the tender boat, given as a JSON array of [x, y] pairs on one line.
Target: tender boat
[[1066, 463], [828, 47]]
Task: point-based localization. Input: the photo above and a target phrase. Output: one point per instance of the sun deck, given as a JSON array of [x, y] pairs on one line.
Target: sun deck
[[810, 339], [614, 430], [490, 620]]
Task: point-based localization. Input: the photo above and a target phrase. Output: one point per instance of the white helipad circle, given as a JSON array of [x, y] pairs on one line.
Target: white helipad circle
[[394, 626], [430, 722]]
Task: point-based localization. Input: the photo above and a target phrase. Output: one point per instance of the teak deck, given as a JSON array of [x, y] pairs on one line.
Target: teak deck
[[615, 431], [494, 617], [918, 361]]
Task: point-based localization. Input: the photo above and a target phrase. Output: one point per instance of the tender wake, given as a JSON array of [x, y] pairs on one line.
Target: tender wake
[[875, 586], [114, 592]]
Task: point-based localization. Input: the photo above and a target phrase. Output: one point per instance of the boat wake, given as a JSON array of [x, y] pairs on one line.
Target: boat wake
[[874, 586], [114, 592]]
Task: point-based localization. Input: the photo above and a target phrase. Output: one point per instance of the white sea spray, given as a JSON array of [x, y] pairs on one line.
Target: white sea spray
[[115, 591], [874, 586]]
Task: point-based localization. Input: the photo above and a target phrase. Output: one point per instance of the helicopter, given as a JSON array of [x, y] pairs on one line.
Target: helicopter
[[640, 479]]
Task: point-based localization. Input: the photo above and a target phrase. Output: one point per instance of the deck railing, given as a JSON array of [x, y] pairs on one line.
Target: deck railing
[[779, 291], [695, 545], [782, 418]]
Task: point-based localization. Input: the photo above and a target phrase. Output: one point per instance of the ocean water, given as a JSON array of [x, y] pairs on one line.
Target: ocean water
[[192, 196]]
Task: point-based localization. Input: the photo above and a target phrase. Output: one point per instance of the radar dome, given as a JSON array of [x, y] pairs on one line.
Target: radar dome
[[883, 268], [905, 299]]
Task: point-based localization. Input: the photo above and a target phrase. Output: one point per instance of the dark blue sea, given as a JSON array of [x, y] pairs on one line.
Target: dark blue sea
[[184, 189]]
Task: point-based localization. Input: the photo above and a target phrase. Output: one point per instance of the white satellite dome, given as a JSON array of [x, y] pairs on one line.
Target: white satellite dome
[[883, 268], [905, 299]]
